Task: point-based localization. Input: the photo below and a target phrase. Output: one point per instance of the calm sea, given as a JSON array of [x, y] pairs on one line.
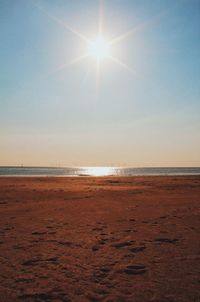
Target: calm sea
[[95, 171]]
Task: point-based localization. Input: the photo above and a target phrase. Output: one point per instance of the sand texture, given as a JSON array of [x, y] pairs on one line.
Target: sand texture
[[134, 239]]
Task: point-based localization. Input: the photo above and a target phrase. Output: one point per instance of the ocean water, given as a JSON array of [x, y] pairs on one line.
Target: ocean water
[[95, 171]]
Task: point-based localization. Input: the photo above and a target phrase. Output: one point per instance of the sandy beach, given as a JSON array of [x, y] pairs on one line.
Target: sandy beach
[[131, 239]]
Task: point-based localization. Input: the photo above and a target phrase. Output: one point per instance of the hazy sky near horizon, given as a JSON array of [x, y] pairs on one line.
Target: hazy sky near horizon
[[147, 114]]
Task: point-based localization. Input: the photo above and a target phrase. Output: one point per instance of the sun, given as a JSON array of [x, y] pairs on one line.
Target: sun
[[99, 49]]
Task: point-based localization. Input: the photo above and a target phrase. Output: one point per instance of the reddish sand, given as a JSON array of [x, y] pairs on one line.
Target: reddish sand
[[100, 239]]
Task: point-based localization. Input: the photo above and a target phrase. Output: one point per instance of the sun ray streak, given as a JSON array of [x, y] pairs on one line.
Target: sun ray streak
[[122, 64], [62, 23], [78, 59], [136, 29], [132, 31], [74, 61], [100, 18]]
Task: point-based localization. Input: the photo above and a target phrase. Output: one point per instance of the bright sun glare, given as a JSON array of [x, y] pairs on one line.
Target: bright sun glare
[[99, 49]]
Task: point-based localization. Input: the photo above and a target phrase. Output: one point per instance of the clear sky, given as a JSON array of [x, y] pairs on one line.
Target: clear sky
[[142, 112]]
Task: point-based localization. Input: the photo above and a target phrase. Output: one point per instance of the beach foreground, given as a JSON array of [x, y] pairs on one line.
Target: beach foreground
[[100, 239]]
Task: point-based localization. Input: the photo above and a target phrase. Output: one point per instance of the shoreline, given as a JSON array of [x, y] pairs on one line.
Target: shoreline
[[101, 176]]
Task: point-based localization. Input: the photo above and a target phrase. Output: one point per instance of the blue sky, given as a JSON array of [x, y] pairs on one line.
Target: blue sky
[[148, 117]]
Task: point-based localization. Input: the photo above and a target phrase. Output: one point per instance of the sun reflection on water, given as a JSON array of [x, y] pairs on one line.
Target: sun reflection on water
[[98, 171]]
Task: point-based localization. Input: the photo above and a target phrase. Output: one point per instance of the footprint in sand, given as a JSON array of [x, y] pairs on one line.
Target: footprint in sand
[[36, 261], [38, 233], [130, 231], [163, 217], [18, 247], [97, 229], [166, 240], [3, 202], [106, 269], [67, 243], [24, 280], [123, 244], [137, 249], [95, 248], [135, 269]]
